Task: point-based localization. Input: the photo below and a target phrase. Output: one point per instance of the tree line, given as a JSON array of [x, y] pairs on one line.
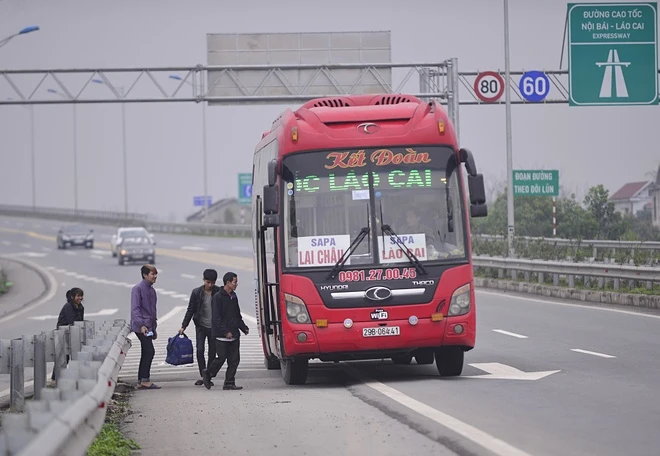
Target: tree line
[[592, 218]]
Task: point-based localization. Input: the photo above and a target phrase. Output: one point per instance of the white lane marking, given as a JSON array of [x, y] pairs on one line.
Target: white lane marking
[[180, 296], [171, 314], [501, 371], [568, 304], [70, 253], [166, 292], [28, 254], [193, 247], [471, 433], [188, 276], [587, 352], [6, 242], [507, 333], [96, 257], [48, 297]]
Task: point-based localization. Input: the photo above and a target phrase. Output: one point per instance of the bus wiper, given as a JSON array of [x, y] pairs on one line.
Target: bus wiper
[[351, 248], [411, 256]]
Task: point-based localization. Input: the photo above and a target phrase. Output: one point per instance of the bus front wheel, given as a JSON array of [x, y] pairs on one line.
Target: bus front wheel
[[294, 370], [449, 361]]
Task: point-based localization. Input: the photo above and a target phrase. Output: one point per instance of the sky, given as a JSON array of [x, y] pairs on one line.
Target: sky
[[588, 145]]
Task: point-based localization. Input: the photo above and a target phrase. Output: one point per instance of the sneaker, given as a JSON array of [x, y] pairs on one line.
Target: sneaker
[[232, 387], [199, 382], [206, 379]]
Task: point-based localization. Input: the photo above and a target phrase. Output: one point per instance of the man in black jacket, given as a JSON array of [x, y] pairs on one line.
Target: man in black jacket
[[227, 321], [199, 309]]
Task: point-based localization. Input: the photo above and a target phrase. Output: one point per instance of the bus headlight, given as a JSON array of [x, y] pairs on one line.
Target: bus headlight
[[296, 311], [460, 301]]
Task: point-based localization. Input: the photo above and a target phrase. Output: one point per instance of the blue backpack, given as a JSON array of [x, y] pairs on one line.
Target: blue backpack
[[179, 350]]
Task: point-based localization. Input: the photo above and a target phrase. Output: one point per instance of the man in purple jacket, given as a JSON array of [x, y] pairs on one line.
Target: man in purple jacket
[[143, 322]]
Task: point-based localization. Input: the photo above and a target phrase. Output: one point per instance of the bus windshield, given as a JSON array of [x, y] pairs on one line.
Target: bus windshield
[[330, 197]]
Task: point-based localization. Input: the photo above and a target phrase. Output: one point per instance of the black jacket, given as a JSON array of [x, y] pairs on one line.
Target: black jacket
[[227, 315], [70, 313], [195, 304]]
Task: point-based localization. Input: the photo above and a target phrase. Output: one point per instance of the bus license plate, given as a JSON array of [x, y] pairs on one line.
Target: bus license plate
[[381, 331]]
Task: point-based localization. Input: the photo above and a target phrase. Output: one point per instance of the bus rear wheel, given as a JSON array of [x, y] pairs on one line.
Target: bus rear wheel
[[449, 361]]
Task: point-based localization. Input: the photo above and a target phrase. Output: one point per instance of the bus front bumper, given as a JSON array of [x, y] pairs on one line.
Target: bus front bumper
[[374, 340]]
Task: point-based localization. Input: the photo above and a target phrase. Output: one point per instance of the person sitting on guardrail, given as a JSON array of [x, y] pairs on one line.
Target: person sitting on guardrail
[[199, 310], [143, 323], [72, 311]]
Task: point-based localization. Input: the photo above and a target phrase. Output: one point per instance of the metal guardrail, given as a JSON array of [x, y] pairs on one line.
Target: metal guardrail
[[593, 243], [99, 217], [66, 419], [557, 269], [199, 229], [130, 219], [214, 229]]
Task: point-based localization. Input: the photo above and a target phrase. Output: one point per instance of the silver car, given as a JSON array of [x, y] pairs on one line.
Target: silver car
[[136, 249]]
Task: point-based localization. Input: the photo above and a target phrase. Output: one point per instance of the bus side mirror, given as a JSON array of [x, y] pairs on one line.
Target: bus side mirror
[[271, 200], [272, 172], [477, 191], [467, 158]]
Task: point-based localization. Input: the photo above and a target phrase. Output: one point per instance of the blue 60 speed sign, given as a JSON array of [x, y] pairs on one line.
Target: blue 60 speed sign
[[534, 86]]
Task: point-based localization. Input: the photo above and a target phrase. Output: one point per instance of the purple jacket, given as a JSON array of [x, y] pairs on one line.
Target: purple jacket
[[143, 307]]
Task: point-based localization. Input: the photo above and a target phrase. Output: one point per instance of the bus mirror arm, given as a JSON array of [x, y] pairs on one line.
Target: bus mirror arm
[[467, 158]]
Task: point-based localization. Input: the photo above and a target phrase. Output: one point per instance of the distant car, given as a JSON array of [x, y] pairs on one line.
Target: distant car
[[136, 249], [126, 232], [75, 235]]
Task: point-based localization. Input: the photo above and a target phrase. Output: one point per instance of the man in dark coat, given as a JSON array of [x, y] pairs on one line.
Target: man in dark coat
[[199, 310]]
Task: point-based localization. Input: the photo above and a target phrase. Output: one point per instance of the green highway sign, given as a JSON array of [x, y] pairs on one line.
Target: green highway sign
[[612, 54], [539, 182], [245, 188]]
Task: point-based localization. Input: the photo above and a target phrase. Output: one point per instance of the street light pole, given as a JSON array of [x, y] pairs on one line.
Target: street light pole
[[75, 159], [23, 31], [204, 172], [123, 140], [122, 94], [204, 152], [74, 148], [509, 153], [33, 165]]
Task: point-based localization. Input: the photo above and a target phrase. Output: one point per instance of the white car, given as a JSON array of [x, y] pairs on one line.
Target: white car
[[129, 232]]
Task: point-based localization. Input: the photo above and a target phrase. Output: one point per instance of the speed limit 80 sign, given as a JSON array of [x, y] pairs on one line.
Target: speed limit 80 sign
[[489, 86]]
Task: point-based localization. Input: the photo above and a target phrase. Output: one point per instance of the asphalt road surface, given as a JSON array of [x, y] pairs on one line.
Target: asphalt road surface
[[546, 377]]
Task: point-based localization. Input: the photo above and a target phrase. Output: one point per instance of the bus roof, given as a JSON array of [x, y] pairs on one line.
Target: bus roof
[[361, 121]]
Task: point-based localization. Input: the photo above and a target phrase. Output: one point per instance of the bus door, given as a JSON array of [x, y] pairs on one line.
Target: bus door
[[271, 325]]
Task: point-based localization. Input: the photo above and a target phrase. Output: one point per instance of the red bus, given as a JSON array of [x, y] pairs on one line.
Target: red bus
[[361, 235]]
